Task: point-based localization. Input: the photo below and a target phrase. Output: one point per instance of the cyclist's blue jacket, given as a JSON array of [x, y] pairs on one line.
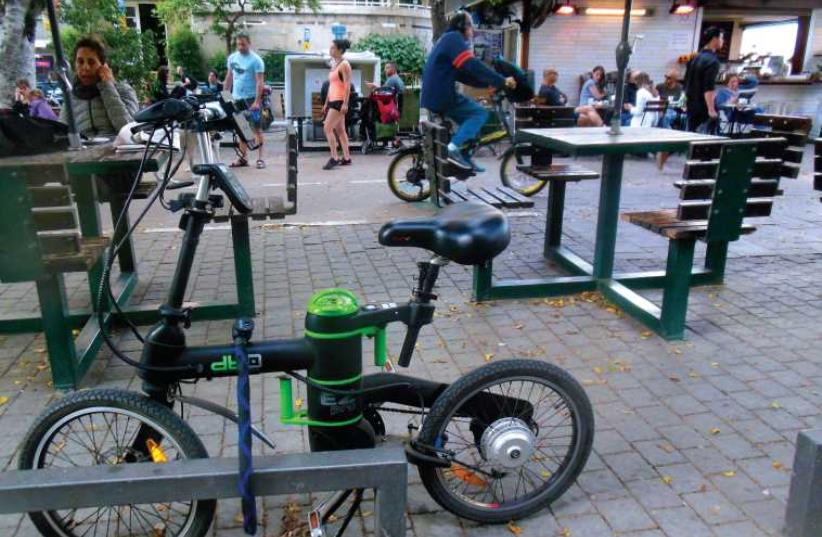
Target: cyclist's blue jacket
[[452, 60]]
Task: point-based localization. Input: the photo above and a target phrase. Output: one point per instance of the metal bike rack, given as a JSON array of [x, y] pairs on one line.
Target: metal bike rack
[[383, 469]]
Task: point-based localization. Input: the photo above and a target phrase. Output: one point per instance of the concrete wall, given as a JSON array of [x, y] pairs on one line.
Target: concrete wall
[[285, 30], [576, 44]]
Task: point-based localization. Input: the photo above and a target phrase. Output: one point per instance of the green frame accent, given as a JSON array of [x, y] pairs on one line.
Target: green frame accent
[[337, 382], [289, 417]]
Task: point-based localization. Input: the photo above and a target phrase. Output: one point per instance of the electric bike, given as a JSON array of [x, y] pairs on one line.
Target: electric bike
[[500, 443]]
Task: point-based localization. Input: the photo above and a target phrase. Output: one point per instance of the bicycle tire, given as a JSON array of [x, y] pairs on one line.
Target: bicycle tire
[[152, 414], [394, 181], [447, 404], [507, 181]]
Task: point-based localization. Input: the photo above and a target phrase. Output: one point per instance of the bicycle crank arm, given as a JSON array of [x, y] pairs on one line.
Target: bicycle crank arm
[[226, 413]]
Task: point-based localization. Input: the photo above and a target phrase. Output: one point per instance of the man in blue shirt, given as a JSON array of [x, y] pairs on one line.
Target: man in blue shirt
[[452, 60], [244, 80]]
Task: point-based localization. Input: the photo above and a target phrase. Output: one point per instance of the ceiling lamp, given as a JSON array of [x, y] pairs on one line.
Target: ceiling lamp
[[683, 8], [565, 9]]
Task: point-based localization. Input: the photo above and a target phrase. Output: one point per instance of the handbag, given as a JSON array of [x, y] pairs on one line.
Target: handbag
[[25, 135]]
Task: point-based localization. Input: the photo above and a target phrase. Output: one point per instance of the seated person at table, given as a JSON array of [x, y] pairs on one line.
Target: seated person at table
[[729, 95], [593, 88], [670, 90], [629, 97], [587, 115], [101, 105], [639, 117]]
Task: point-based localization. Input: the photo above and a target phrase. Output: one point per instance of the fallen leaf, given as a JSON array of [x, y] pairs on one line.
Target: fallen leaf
[[674, 378], [703, 488], [598, 370], [667, 448], [667, 479], [676, 350], [714, 364], [3, 400], [75, 332], [41, 350], [513, 528], [565, 532], [298, 403], [778, 465], [729, 473], [714, 431], [775, 405], [366, 514], [488, 356], [693, 374], [646, 334], [715, 509], [519, 326]]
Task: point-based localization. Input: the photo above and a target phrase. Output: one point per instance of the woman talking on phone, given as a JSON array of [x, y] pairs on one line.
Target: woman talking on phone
[[101, 105], [336, 104]]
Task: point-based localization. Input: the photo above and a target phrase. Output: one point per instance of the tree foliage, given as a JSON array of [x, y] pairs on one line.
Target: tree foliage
[[87, 16], [227, 15], [404, 50], [274, 66], [218, 63], [184, 50]]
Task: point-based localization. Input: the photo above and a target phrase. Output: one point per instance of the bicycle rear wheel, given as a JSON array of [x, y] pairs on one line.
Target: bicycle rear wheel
[[111, 427], [516, 435]]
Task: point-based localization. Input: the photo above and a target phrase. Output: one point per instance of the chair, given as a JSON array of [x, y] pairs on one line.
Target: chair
[[659, 107]]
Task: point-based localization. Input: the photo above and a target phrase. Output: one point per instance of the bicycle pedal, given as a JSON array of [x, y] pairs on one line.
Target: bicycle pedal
[[315, 524]]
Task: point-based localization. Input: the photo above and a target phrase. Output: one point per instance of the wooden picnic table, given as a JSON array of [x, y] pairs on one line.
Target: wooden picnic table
[[599, 274], [96, 175]]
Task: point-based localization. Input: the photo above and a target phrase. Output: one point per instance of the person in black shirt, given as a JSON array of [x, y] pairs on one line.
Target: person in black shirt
[[587, 116], [700, 83]]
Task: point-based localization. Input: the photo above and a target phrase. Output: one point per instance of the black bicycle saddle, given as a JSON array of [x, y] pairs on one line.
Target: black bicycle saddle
[[467, 233], [164, 111]]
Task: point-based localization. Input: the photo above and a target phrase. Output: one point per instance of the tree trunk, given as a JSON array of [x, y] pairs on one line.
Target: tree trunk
[[438, 22], [16, 51]]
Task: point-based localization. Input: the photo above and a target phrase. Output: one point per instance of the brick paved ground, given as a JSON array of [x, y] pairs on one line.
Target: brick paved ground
[[693, 438]]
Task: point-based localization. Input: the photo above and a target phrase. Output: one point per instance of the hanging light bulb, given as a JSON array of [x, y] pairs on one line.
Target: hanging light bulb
[[683, 8], [565, 9]]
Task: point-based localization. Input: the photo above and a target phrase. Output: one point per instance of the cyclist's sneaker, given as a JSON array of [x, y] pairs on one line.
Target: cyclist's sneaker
[[332, 163], [456, 158], [474, 166]]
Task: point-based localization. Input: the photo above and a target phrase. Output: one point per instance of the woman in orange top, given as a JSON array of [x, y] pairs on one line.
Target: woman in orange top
[[336, 104]]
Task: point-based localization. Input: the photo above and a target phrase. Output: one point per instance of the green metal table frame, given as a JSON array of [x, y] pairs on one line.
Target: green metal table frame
[[70, 357], [619, 288]]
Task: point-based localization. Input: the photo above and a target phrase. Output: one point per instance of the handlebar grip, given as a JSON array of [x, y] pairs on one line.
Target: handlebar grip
[[408, 345]]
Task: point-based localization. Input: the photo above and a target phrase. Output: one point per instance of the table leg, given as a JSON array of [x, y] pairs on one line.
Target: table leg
[[553, 218], [608, 215], [126, 253], [716, 254], [677, 288], [57, 327], [242, 267], [84, 188]]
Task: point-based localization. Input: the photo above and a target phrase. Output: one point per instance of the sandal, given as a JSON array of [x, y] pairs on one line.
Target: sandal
[[239, 163], [260, 164]]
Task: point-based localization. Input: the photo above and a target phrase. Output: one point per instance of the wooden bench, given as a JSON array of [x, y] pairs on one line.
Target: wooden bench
[[817, 165], [447, 188], [40, 240], [794, 129], [272, 207], [712, 208]]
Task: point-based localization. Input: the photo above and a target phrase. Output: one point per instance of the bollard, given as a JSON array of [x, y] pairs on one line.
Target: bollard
[[803, 517]]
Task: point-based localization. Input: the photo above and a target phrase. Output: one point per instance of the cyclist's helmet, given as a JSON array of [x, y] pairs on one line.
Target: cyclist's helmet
[[523, 91]]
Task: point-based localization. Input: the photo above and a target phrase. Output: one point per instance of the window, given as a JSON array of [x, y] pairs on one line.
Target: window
[[132, 21], [774, 38]]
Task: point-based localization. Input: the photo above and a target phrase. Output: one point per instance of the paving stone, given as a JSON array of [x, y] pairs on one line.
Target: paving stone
[[629, 466], [713, 507], [584, 525], [624, 515], [739, 529], [681, 522]]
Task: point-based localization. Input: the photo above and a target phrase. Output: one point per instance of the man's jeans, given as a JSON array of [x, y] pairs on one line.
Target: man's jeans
[[470, 117]]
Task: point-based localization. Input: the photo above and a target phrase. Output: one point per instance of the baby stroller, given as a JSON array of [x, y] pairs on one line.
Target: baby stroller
[[380, 116]]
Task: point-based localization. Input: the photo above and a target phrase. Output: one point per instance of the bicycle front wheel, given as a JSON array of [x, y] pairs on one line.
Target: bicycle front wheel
[[516, 158], [407, 179], [516, 435], [112, 427]]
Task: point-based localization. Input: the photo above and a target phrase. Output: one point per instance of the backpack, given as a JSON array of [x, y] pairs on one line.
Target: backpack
[[24, 135]]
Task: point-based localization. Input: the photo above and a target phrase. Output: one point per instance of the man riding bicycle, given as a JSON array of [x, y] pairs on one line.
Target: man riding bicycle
[[452, 60]]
